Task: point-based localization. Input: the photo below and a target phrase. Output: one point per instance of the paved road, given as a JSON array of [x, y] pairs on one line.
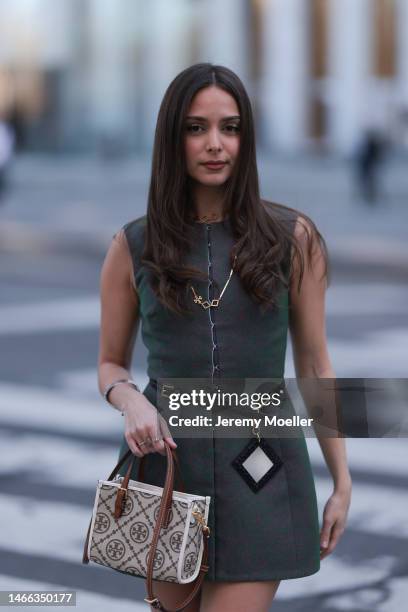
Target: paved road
[[57, 436]]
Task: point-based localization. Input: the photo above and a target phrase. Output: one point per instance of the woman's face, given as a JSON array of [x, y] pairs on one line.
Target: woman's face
[[212, 134]]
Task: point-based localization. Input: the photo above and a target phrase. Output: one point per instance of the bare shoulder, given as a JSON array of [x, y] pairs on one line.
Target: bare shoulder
[[304, 229], [312, 249], [119, 246], [117, 268]]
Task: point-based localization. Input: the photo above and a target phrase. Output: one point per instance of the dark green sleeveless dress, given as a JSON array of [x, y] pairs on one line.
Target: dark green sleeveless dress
[[268, 535]]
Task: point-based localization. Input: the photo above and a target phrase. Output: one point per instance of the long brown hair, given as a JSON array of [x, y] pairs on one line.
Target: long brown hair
[[263, 231]]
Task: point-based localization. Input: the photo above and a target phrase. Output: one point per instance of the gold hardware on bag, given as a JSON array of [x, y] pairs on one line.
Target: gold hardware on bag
[[200, 518], [153, 602]]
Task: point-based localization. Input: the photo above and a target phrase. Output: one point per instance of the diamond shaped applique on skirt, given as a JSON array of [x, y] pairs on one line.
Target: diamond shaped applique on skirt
[[257, 463]]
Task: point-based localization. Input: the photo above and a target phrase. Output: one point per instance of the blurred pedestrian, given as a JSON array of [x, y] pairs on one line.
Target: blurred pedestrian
[[6, 154], [370, 156]]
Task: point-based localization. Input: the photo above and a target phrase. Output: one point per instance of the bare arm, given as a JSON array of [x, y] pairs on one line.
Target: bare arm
[[119, 321], [119, 324], [311, 360]]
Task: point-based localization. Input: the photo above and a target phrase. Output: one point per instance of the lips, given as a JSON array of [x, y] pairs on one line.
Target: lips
[[215, 165]]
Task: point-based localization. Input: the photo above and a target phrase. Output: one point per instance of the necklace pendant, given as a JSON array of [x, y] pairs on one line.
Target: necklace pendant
[[206, 304], [199, 300]]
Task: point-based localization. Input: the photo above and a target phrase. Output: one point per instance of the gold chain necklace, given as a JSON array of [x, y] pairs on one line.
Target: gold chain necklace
[[210, 217], [206, 304]]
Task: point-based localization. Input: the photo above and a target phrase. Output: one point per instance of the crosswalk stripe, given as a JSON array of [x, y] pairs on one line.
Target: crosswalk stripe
[[44, 407], [55, 411], [363, 359], [52, 526], [336, 574], [374, 455], [57, 461], [369, 298], [50, 315], [73, 462]]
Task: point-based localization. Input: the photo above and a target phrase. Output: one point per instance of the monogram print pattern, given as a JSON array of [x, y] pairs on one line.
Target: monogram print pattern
[[124, 544], [115, 550], [102, 522], [139, 532]]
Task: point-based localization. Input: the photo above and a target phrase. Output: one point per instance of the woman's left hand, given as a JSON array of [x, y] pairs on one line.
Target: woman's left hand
[[334, 519]]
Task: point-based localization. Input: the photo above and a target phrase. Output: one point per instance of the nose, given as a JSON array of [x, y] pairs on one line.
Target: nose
[[214, 141]]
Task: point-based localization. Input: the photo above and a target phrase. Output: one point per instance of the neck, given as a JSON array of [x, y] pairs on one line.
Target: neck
[[207, 202]]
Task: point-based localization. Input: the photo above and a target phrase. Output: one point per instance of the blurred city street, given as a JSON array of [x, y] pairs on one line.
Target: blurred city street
[[57, 434]]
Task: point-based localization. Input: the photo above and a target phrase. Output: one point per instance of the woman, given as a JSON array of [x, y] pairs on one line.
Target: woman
[[206, 233]]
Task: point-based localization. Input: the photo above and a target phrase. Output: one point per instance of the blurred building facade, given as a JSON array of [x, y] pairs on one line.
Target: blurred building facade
[[85, 75]]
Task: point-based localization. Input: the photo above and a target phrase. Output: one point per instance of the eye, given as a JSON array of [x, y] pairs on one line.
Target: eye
[[192, 126], [235, 128]]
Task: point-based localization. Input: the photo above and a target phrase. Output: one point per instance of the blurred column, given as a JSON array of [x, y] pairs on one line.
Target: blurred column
[[285, 74], [402, 50], [165, 53], [224, 34], [109, 67], [350, 66]]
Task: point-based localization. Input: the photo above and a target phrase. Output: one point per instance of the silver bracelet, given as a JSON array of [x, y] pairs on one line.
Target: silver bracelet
[[109, 388]]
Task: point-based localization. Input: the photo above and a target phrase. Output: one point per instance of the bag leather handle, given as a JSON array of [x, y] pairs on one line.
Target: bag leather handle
[[196, 585], [122, 492], [142, 463], [162, 521]]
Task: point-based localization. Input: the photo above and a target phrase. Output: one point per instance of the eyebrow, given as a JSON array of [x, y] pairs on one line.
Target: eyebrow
[[196, 117]]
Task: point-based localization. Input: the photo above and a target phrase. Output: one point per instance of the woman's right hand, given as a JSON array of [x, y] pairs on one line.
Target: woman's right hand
[[143, 421]]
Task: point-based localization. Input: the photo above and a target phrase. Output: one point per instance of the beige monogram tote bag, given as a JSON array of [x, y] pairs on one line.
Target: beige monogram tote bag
[[150, 531]]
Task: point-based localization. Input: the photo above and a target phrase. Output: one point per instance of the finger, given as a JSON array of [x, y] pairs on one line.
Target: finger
[[335, 537], [170, 441], [133, 446], [157, 437], [157, 445], [325, 533], [143, 440], [145, 446], [333, 541], [164, 428]]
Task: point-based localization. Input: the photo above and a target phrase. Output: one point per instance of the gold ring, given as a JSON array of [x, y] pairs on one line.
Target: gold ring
[[148, 441]]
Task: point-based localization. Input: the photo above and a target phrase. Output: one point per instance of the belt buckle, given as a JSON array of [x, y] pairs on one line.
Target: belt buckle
[[162, 389]]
